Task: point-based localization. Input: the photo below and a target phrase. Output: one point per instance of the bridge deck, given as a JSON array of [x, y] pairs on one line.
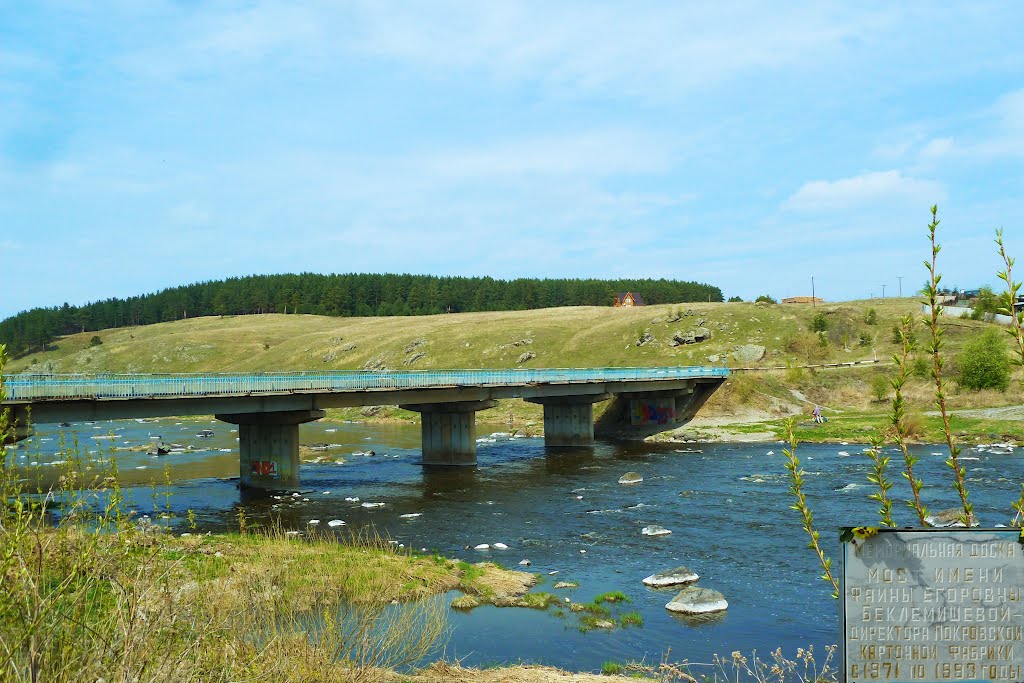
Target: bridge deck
[[39, 387]]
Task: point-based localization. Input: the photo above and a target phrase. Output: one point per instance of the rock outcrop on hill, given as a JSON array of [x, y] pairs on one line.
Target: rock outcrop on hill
[[694, 336], [749, 353]]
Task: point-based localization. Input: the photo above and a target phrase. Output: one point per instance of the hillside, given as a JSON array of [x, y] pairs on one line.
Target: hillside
[[556, 337], [339, 295]]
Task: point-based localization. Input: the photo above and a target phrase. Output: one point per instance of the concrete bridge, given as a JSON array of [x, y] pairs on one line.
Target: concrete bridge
[[269, 407]]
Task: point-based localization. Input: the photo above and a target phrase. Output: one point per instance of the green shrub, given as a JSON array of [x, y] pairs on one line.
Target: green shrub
[[880, 387], [613, 596], [921, 367], [631, 619], [865, 339], [986, 303], [735, 299], [911, 336], [871, 316], [95, 341], [984, 363], [819, 323], [764, 298], [611, 668]]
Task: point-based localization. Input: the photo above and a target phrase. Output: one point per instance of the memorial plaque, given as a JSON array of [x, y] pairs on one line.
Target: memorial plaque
[[932, 605]]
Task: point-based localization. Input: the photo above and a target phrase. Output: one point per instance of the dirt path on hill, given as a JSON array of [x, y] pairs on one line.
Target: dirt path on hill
[[1001, 413]]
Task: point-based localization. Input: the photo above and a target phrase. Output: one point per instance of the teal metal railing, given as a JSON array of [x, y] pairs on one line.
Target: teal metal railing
[[30, 387]]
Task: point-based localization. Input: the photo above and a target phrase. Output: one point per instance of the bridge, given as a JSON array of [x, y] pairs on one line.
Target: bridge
[[269, 407]]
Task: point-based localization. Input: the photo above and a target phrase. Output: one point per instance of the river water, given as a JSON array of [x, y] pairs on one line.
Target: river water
[[726, 504]]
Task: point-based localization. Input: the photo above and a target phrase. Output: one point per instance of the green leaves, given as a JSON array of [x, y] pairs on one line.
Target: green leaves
[[796, 482], [1009, 297], [959, 474], [877, 476]]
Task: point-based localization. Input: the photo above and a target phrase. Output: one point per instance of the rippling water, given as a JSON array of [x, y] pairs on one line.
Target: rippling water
[[726, 504]]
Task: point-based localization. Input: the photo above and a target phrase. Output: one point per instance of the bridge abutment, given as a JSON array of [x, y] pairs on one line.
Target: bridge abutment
[[569, 420], [448, 431], [268, 447], [643, 413]]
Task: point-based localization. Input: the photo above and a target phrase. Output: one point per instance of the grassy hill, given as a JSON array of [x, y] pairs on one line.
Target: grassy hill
[[557, 337]]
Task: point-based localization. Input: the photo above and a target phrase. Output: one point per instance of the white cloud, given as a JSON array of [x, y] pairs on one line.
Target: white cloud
[[261, 30], [864, 190], [937, 148], [996, 132], [565, 47], [595, 47], [588, 154], [1010, 110]]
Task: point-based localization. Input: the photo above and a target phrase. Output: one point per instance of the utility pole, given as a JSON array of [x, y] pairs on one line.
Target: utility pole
[[814, 302], [899, 279], [883, 291]]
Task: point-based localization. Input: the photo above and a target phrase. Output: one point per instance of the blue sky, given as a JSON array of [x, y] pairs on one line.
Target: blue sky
[[749, 145]]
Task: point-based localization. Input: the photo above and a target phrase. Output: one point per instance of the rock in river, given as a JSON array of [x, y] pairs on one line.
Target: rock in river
[[694, 600], [949, 518], [672, 577], [631, 478], [655, 530]]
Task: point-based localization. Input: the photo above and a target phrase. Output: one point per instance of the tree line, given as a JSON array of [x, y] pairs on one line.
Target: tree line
[[352, 294]]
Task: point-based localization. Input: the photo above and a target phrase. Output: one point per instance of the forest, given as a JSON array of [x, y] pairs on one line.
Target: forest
[[352, 294]]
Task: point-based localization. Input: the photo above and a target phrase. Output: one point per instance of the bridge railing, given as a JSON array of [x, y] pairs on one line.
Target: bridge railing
[[27, 387]]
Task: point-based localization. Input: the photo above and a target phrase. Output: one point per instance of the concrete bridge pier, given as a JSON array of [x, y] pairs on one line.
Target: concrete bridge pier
[[268, 447], [449, 430], [569, 420]]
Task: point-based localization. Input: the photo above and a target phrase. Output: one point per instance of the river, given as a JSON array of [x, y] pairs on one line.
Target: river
[[726, 504]]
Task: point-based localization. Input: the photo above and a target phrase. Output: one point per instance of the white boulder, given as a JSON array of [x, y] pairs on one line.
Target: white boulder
[[949, 518], [631, 478], [694, 600], [671, 577]]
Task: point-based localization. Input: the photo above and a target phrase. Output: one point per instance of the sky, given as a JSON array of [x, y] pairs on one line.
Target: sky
[[753, 146]]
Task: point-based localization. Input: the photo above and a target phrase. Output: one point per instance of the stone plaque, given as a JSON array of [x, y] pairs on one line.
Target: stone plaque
[[932, 605]]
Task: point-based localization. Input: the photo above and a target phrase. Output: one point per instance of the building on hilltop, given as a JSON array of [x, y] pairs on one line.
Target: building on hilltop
[[628, 299], [803, 300]]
